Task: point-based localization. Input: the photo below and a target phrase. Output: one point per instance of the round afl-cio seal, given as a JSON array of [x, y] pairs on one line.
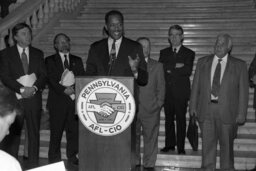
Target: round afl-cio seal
[[106, 107]]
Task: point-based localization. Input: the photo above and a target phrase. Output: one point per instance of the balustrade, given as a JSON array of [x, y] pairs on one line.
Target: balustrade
[[35, 13]]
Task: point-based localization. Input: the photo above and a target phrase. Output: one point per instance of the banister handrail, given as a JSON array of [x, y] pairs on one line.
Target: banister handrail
[[19, 14], [35, 13]]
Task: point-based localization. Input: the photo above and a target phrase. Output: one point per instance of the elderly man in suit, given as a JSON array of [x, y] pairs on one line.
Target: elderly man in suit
[[151, 99], [178, 63], [116, 55], [219, 99], [17, 63], [62, 113]]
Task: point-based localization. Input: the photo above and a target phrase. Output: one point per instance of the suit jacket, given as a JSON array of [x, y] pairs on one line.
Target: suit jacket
[[233, 95], [98, 59], [252, 72], [12, 69], [55, 69], [177, 79], [151, 96]]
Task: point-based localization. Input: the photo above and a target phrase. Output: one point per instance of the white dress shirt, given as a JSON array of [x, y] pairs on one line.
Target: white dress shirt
[[20, 50], [117, 45]]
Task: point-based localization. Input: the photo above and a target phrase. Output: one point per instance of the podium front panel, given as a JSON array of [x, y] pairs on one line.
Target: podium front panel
[[106, 153]]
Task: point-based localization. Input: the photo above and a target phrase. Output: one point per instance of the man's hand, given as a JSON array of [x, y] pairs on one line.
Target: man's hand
[[69, 90], [179, 65], [134, 63], [240, 120], [27, 92]]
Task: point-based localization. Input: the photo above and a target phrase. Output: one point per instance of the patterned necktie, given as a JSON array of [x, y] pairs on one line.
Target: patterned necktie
[[24, 59], [112, 57], [66, 66], [216, 80]]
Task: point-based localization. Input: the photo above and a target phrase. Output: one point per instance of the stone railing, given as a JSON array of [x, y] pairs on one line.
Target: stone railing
[[35, 13]]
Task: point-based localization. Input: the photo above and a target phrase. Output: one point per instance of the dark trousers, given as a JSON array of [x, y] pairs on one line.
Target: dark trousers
[[32, 113], [175, 109], [214, 131], [62, 117]]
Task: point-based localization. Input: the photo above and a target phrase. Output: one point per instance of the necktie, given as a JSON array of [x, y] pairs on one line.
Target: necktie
[[112, 57], [24, 60], [216, 80], [174, 52], [66, 66]]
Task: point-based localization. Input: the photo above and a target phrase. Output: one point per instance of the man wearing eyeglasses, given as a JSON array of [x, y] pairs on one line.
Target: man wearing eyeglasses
[[178, 63]]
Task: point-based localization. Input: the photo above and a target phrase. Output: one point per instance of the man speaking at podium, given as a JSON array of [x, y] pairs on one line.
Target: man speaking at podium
[[117, 55]]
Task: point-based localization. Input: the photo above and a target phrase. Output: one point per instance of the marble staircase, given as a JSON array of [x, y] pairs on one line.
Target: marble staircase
[[202, 21]]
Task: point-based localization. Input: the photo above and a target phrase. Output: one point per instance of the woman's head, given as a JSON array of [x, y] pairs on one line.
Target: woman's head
[[9, 108]]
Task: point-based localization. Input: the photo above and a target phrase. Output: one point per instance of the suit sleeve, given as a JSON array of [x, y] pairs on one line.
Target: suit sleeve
[[41, 73], [6, 73], [252, 71], [80, 68], [160, 85], [195, 91], [53, 78], [91, 64], [186, 70], [142, 70], [243, 92]]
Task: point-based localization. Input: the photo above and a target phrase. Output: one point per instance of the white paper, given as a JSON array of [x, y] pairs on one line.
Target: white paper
[[68, 79], [26, 81], [51, 167]]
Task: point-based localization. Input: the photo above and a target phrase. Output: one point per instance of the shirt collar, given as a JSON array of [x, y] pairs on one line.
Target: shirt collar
[[20, 49], [224, 59], [110, 40], [177, 48]]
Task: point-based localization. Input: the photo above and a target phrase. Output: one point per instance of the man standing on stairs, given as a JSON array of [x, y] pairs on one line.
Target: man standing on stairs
[[23, 71], [117, 55], [219, 99], [61, 102], [178, 63], [151, 99]]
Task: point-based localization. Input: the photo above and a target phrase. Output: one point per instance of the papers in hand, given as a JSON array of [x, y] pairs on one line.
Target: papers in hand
[[26, 81], [68, 79]]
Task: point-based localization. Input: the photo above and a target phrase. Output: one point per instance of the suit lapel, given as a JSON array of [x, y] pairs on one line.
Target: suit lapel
[[149, 65], [58, 62], [226, 73], [17, 60], [208, 73]]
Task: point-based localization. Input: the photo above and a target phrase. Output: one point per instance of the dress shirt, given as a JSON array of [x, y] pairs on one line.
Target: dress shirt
[[177, 48], [223, 64], [117, 44], [63, 58], [20, 50]]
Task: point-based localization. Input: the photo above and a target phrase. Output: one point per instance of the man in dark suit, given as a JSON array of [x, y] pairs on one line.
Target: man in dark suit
[[151, 99], [18, 62], [219, 99], [117, 55], [61, 102], [178, 63]]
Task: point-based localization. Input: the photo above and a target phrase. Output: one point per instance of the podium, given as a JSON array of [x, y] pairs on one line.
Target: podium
[[99, 152]]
